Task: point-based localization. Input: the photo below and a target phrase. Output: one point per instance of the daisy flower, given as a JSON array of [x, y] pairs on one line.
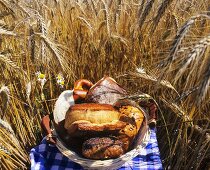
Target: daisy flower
[[60, 80], [41, 78]]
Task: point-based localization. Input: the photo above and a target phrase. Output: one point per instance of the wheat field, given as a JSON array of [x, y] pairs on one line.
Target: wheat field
[[161, 48]]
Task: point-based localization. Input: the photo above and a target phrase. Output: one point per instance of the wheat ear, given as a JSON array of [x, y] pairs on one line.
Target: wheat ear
[[31, 44], [56, 50], [146, 11], [5, 59], [152, 78], [4, 93], [195, 54], [141, 7], [107, 18], [6, 126], [3, 31], [177, 40], [160, 14], [204, 87]]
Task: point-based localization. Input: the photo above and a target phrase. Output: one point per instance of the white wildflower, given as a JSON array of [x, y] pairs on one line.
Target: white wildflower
[[141, 70]]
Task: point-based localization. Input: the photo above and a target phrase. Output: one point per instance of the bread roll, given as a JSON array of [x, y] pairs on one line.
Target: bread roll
[[133, 117], [91, 117], [105, 91], [102, 148]]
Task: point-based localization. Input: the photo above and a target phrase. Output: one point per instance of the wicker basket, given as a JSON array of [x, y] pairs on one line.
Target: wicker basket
[[109, 164], [141, 141]]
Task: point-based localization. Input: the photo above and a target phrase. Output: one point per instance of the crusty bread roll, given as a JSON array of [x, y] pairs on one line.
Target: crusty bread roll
[[91, 117], [94, 113]]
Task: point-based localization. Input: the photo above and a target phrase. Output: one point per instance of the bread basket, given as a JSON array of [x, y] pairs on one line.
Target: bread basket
[[142, 138]]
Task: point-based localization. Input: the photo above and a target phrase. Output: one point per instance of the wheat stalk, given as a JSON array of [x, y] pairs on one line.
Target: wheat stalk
[[7, 5], [117, 14], [175, 45], [13, 7], [88, 59], [81, 7], [177, 109], [202, 143], [4, 13], [4, 149], [92, 6], [123, 40], [87, 23], [15, 147], [186, 93], [43, 30], [176, 22], [28, 89], [14, 153]]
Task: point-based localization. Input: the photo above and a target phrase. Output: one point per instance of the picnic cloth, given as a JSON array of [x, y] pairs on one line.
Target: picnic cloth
[[47, 157]]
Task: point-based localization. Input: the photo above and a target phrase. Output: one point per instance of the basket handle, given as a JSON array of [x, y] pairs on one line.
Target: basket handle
[[81, 88], [47, 130], [152, 109]]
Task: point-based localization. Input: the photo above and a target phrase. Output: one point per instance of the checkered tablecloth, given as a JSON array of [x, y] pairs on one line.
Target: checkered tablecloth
[[46, 157]]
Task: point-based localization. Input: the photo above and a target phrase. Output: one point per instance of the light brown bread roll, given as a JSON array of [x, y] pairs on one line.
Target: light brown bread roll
[[91, 117]]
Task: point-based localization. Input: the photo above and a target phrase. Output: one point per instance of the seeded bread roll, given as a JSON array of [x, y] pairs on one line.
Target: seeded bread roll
[[133, 117]]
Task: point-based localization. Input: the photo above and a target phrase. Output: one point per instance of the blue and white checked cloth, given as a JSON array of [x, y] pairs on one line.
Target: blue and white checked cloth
[[46, 157]]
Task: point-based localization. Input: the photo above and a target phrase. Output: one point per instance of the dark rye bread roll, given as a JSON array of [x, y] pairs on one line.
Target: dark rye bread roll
[[102, 148], [106, 91], [91, 118]]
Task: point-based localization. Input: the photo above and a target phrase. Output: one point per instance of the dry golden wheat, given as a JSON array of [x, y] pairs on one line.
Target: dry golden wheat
[[90, 39]]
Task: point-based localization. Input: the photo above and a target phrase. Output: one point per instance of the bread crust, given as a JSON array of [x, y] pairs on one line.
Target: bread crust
[[86, 128], [92, 106]]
